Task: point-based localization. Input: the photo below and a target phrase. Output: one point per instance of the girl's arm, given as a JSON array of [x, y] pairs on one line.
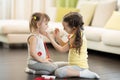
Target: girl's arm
[[60, 48], [32, 44], [60, 41], [58, 38]]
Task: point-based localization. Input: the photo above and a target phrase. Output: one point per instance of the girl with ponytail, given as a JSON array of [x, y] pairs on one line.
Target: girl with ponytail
[[76, 45]]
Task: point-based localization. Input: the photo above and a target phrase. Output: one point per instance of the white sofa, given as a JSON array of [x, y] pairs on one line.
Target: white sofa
[[96, 15], [17, 31], [98, 37], [13, 31], [102, 39]]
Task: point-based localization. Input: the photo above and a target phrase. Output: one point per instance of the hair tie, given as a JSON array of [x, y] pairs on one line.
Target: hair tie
[[34, 17]]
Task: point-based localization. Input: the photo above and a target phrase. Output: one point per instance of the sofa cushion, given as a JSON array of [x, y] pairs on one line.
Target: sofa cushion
[[17, 38], [86, 10], [103, 12], [111, 37], [93, 33], [62, 11], [114, 21], [14, 26]]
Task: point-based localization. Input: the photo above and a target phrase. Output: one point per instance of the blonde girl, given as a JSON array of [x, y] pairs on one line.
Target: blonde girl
[[38, 60]]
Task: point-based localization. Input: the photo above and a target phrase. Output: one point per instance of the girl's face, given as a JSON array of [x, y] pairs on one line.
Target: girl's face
[[43, 26], [67, 28]]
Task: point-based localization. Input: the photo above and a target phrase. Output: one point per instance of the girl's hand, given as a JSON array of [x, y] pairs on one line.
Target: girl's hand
[[56, 33], [49, 36], [50, 60], [46, 61]]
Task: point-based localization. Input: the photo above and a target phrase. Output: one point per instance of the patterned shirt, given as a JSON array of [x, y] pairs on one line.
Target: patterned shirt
[[40, 49]]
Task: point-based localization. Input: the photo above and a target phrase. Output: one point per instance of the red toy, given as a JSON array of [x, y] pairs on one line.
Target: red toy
[[42, 78]]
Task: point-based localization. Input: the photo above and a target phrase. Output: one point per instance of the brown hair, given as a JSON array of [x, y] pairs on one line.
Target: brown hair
[[35, 18], [74, 19]]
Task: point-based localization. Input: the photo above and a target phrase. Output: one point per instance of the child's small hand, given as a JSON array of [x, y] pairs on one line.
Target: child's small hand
[[46, 61], [50, 60], [56, 32], [50, 37]]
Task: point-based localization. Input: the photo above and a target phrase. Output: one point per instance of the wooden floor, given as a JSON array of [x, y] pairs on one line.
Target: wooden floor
[[13, 64]]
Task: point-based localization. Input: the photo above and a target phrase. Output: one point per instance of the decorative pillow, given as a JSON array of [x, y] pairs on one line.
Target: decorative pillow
[[66, 3], [87, 9], [114, 21], [60, 3], [103, 12], [62, 11]]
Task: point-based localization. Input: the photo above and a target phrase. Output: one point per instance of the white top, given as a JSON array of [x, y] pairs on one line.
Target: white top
[[39, 48]]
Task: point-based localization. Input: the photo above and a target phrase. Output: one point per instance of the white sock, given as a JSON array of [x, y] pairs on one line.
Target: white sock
[[88, 74], [30, 70]]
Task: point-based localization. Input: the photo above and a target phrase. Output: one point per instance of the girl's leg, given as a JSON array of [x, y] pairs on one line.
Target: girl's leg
[[37, 72], [49, 67], [67, 71], [42, 72], [61, 64], [75, 71]]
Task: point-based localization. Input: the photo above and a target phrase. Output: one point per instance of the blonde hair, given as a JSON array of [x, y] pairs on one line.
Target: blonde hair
[[35, 18]]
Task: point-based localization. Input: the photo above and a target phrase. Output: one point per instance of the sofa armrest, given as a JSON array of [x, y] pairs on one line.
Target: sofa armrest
[[14, 26]]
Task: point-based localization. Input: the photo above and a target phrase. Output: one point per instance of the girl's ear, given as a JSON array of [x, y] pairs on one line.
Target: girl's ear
[[38, 24]]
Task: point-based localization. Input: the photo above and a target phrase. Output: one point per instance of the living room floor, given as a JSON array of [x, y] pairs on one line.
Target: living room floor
[[13, 64]]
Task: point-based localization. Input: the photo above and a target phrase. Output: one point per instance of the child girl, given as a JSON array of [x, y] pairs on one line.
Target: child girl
[[77, 47], [38, 60]]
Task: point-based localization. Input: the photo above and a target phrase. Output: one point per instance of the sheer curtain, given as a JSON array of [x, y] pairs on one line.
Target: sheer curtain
[[4, 9], [20, 9]]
